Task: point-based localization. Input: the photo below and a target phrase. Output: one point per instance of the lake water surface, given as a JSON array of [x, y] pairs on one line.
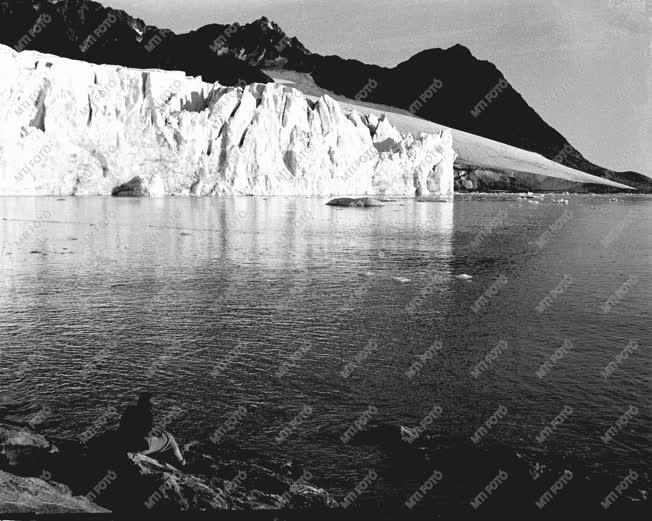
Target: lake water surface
[[202, 301]]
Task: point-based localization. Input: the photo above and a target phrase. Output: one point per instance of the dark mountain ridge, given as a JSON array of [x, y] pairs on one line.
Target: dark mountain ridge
[[447, 86], [84, 30]]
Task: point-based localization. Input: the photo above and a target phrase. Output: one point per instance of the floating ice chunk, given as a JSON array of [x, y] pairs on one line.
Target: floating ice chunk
[[408, 434], [357, 202]]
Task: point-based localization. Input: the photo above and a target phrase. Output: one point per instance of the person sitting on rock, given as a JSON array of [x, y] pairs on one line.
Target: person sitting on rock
[[138, 433]]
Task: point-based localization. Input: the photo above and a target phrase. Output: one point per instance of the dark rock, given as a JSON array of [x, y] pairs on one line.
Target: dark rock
[[209, 483], [73, 21], [138, 483], [357, 202], [38, 496], [162, 487], [23, 450], [483, 180], [136, 187]]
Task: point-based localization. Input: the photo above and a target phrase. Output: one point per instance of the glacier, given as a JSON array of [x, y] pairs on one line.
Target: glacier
[[76, 128]]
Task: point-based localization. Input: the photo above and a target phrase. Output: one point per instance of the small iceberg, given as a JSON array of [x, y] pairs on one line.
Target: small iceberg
[[432, 199], [464, 276], [357, 202], [408, 435]]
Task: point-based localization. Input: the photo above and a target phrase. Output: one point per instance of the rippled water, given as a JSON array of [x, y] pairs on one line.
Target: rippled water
[[100, 297]]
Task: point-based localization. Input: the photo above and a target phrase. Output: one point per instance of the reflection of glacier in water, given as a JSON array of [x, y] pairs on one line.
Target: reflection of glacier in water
[[162, 293]]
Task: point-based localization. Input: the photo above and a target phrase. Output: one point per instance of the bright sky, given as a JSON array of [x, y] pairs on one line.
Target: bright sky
[[584, 65]]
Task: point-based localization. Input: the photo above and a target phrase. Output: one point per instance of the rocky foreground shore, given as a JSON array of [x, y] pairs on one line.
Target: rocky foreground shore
[[47, 476], [452, 476]]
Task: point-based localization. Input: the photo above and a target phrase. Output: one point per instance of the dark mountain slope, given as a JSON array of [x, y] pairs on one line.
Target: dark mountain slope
[[467, 94], [88, 31]]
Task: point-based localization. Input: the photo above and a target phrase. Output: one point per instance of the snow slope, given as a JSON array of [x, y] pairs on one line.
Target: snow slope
[[474, 152]]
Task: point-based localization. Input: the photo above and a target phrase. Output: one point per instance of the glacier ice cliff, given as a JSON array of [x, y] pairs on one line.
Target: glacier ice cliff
[[71, 127]]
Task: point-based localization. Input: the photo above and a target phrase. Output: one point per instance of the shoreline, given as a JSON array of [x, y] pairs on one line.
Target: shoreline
[[41, 470], [402, 197]]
